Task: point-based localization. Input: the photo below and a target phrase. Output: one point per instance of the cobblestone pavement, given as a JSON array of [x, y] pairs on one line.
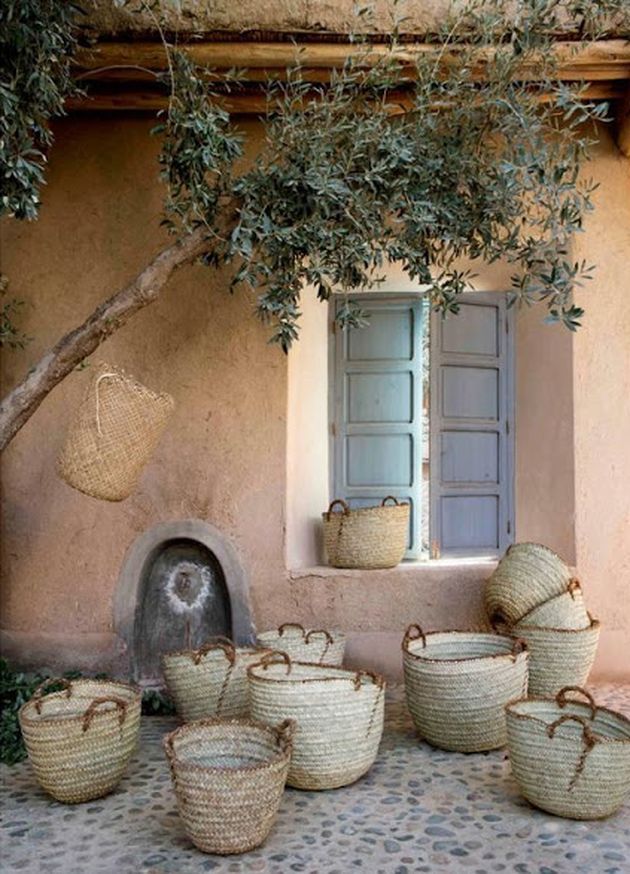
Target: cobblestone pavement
[[418, 810]]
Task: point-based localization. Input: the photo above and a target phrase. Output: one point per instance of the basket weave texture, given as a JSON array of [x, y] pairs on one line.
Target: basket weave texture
[[567, 610], [559, 656], [113, 435], [339, 716], [228, 776], [527, 575], [367, 537], [79, 741], [570, 758], [306, 645], [457, 684], [210, 681]]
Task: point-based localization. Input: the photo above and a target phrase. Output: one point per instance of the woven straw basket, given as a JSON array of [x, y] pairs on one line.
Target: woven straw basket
[[527, 575], [302, 645], [368, 537], [228, 776], [79, 741], [339, 716], [210, 681], [570, 758], [567, 610], [457, 684], [113, 435], [559, 656]]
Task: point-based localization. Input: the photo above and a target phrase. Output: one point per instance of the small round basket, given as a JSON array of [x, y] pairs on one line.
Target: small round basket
[[339, 717], [567, 610], [457, 684], [211, 680], [228, 776], [79, 741], [569, 758], [367, 537], [527, 575], [559, 656], [302, 645]]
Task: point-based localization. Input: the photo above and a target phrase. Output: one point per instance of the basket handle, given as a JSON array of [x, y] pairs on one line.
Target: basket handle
[[282, 628], [574, 586], [587, 739], [338, 502], [328, 641], [561, 698], [377, 679], [90, 713], [275, 657], [414, 632], [228, 650], [285, 731], [390, 498], [51, 681], [518, 647]]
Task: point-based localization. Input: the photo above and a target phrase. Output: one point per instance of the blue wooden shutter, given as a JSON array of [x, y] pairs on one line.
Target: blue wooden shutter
[[377, 423], [471, 444]]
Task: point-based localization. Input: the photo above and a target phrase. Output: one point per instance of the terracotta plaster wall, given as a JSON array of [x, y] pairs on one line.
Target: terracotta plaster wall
[[223, 456], [602, 411]]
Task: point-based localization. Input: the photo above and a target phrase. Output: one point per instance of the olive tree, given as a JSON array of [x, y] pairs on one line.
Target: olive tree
[[482, 162]]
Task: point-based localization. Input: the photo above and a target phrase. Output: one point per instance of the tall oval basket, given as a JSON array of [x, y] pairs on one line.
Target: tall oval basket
[[210, 681], [228, 776], [79, 741], [570, 758], [367, 537], [339, 717], [457, 684], [567, 610], [306, 645]]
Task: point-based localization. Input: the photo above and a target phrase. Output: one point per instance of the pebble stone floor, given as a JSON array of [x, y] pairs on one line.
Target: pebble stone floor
[[418, 810]]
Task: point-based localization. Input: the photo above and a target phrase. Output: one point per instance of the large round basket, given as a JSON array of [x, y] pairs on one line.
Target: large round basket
[[367, 537], [339, 716], [306, 645], [113, 435], [570, 758], [228, 776], [211, 680], [567, 610], [527, 575], [79, 741], [559, 656], [457, 684]]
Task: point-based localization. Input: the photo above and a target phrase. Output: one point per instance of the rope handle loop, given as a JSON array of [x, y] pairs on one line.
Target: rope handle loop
[[390, 498], [282, 628], [107, 375], [51, 681], [275, 657], [561, 698], [519, 645], [313, 631], [90, 713], [227, 647], [574, 586], [377, 679], [587, 739], [285, 732], [414, 632], [338, 502]]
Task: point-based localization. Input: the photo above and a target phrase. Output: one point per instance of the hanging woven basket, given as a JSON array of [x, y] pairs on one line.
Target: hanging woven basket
[[367, 537], [457, 684], [567, 610], [302, 645], [559, 656], [228, 776], [210, 681], [527, 575], [79, 741], [113, 435], [570, 758], [339, 716]]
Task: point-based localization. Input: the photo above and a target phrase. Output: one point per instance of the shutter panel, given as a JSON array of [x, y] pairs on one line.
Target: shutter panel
[[377, 398], [471, 443]]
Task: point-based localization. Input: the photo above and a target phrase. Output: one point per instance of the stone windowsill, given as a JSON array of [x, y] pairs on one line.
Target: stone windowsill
[[419, 568]]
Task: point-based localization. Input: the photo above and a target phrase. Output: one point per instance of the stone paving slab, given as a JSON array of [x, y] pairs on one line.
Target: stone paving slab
[[418, 810]]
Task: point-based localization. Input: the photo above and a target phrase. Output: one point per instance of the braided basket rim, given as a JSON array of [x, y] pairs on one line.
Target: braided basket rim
[[479, 634], [375, 679], [594, 625], [541, 699]]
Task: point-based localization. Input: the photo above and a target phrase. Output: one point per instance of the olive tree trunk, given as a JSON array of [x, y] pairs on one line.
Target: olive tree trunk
[[20, 404]]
